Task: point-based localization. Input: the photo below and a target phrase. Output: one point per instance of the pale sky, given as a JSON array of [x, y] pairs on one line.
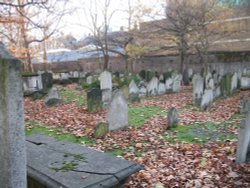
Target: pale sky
[[76, 23]]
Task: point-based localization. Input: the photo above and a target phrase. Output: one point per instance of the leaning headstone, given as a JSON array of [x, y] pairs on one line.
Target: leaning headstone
[[198, 89], [47, 81], [172, 118], [152, 87], [53, 97], [161, 89], [245, 83], [242, 153], [101, 129], [207, 99], [234, 82], [13, 171], [106, 80], [94, 100], [118, 112]]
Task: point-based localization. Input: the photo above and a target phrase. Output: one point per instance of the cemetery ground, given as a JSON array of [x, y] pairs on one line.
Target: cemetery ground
[[199, 152]]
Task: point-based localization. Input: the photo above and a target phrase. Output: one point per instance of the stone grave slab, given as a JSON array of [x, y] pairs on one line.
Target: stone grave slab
[[47, 160]]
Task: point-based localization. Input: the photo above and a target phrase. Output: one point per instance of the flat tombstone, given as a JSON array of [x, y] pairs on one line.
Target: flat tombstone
[[172, 118], [243, 140], [106, 80], [118, 112], [12, 138], [94, 99]]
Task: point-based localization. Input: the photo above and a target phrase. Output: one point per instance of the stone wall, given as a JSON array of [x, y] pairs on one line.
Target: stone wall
[[158, 63]]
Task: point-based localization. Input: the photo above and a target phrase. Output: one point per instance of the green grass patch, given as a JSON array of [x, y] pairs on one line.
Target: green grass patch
[[117, 151], [199, 133], [69, 96], [38, 128], [139, 114]]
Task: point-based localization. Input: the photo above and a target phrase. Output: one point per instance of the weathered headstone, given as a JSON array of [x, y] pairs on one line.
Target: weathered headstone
[[133, 87], [64, 76], [118, 112], [172, 118], [242, 153], [244, 105], [12, 139], [190, 73], [94, 100], [161, 89], [142, 91], [207, 99], [176, 86], [53, 97], [89, 79], [225, 85], [207, 78], [161, 78], [198, 88], [234, 82], [152, 87], [47, 81], [245, 83], [210, 84], [105, 80], [217, 92], [185, 77], [106, 96], [101, 129], [169, 84]]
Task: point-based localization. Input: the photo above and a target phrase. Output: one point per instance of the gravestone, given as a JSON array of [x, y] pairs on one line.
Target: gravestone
[[207, 78], [243, 150], [234, 82], [64, 76], [118, 112], [101, 129], [172, 118], [47, 80], [185, 77], [133, 87], [169, 84], [177, 78], [106, 96], [125, 91], [210, 84], [245, 83], [94, 100], [12, 139], [198, 89], [142, 91], [244, 105], [217, 92], [207, 99], [89, 79], [106, 80], [152, 87], [225, 85], [190, 73], [53, 97], [161, 78], [161, 89]]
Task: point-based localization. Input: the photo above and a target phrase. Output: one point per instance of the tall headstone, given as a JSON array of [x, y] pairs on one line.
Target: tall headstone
[[242, 153], [47, 80], [105, 80], [172, 118], [133, 92], [94, 100], [198, 89], [118, 112], [12, 139], [234, 82]]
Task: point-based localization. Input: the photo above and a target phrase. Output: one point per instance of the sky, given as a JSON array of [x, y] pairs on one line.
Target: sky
[[77, 22]]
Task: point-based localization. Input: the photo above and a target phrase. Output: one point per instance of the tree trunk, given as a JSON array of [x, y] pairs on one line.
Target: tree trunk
[[106, 62]]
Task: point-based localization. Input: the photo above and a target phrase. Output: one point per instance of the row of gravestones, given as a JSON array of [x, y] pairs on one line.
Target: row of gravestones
[[212, 86], [155, 86]]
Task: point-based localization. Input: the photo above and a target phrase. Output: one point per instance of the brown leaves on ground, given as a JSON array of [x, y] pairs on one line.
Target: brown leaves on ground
[[170, 165]]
